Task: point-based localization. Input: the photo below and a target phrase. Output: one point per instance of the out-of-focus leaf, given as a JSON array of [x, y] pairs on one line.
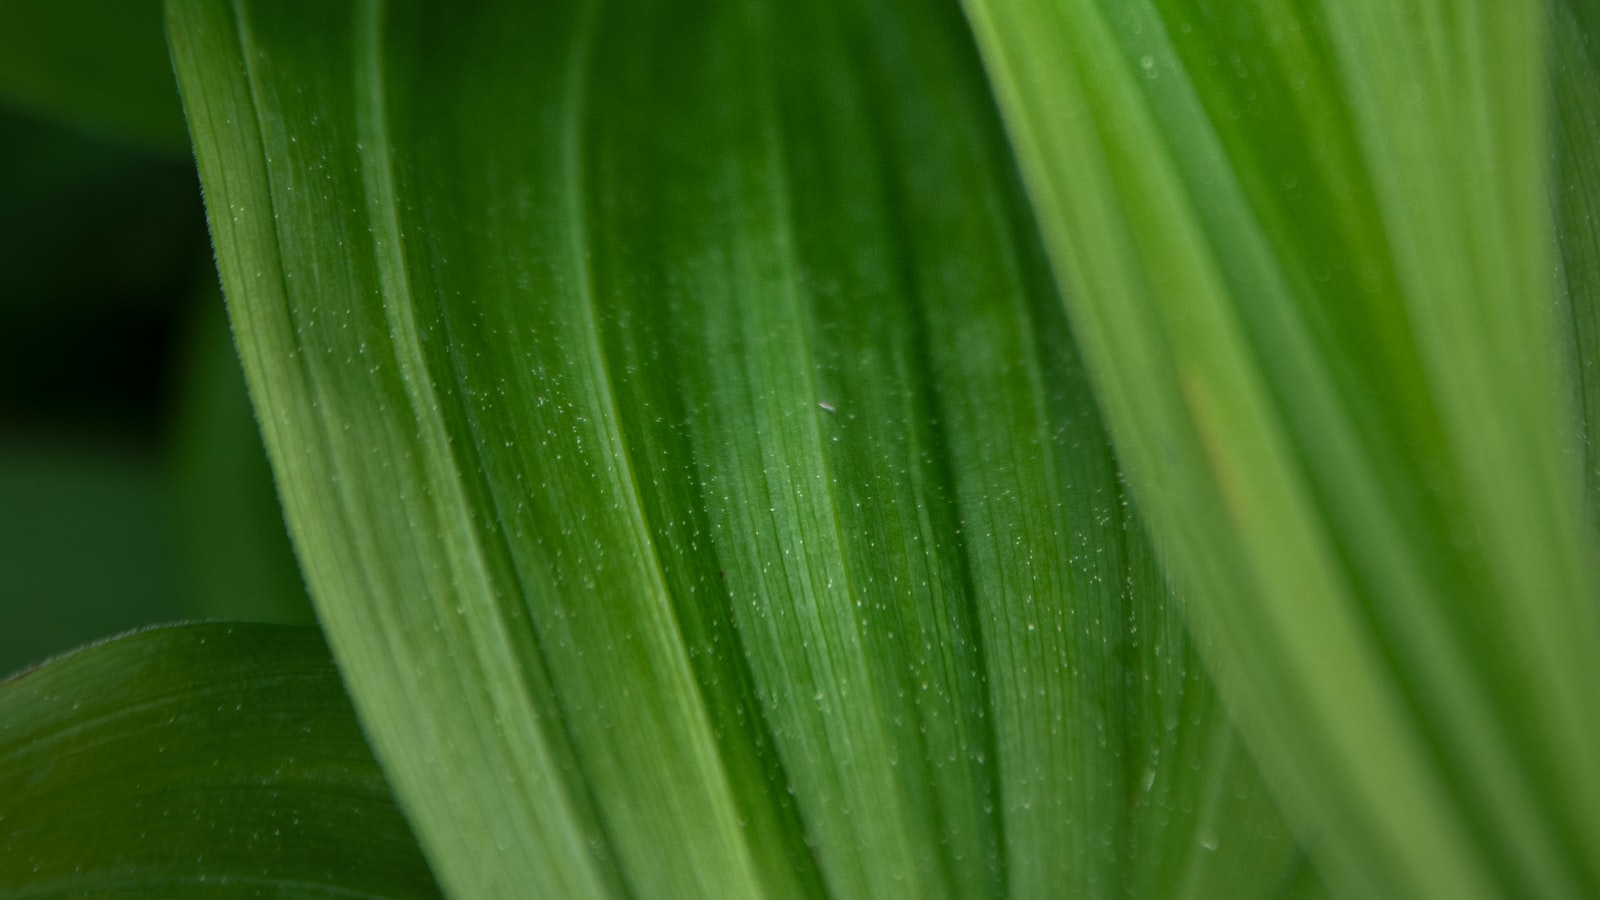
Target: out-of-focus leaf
[[100, 63], [1308, 248], [690, 460], [234, 555], [85, 546], [197, 760]]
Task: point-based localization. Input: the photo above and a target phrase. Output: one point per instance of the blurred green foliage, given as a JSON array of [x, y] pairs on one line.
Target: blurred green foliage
[[133, 489], [99, 63]]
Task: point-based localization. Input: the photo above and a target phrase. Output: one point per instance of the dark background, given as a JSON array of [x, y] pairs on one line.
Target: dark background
[[133, 488]]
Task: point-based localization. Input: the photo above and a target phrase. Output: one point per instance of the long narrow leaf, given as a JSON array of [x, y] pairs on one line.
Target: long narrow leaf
[[1308, 250]]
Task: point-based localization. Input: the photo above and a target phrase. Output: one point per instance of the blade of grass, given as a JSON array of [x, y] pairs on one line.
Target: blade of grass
[[1306, 248], [195, 759]]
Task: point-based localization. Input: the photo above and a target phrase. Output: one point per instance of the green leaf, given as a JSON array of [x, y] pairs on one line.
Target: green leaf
[[99, 63], [1574, 27], [691, 463], [195, 760], [1308, 249]]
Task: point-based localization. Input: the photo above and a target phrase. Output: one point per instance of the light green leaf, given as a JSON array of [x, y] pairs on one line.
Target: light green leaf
[[690, 460], [196, 760], [1308, 250]]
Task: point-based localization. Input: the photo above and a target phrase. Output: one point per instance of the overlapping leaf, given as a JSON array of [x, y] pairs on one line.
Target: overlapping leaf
[[690, 460], [198, 760], [1308, 247]]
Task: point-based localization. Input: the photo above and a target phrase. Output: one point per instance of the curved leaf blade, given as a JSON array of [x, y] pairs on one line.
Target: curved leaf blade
[[214, 760], [1307, 247]]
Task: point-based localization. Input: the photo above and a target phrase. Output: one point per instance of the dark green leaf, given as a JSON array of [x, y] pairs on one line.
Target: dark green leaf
[[196, 760], [1574, 27]]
